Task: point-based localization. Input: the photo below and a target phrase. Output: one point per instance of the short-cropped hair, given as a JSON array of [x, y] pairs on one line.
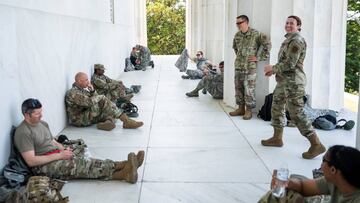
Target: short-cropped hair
[[244, 17], [29, 105]]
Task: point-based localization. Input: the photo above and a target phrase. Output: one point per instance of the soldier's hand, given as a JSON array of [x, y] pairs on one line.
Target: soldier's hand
[[252, 59], [66, 154], [90, 86], [268, 70], [273, 179], [206, 71]]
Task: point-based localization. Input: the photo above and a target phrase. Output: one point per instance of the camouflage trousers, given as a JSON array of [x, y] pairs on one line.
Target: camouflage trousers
[[245, 87], [102, 110], [215, 88], [290, 94], [116, 93], [195, 74], [293, 197], [78, 167], [290, 197]]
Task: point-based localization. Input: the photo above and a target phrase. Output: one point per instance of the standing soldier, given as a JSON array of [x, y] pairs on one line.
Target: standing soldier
[[112, 89], [290, 90], [85, 107], [250, 46]]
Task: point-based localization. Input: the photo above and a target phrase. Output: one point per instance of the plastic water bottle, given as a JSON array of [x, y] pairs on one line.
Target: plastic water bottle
[[87, 153], [282, 177]]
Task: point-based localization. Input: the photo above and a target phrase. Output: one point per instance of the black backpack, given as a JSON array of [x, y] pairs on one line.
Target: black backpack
[[265, 111], [127, 107]]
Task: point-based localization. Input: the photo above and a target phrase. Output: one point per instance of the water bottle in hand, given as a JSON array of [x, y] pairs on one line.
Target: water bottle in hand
[[282, 177]]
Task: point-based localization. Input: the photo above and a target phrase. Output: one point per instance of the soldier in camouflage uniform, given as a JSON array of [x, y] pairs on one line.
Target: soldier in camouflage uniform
[[290, 90], [250, 46], [85, 107], [201, 64], [142, 57], [45, 156], [112, 89], [213, 83]]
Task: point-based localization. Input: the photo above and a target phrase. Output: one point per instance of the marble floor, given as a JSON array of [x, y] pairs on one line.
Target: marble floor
[[195, 152]]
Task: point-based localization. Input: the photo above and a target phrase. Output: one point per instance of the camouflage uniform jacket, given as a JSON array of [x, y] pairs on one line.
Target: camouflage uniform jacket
[[251, 43], [79, 103], [291, 59], [200, 63], [103, 84], [144, 55]]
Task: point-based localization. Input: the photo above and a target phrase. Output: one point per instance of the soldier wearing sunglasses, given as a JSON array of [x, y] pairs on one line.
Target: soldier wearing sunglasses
[[250, 46]]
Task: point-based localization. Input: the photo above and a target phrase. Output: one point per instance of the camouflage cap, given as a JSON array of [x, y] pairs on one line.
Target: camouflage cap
[[99, 66]]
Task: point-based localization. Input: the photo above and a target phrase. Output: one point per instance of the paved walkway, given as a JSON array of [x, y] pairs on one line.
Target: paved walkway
[[195, 152]]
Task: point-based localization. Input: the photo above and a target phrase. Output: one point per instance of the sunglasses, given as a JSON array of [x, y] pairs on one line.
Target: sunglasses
[[198, 54], [239, 23]]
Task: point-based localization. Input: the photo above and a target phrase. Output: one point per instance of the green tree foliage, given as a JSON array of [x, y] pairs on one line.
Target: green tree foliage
[[353, 47], [166, 26]]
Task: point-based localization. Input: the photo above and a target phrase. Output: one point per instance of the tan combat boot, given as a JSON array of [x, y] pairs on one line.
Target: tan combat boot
[[140, 158], [194, 93], [129, 123], [238, 112], [106, 125], [129, 171], [248, 114], [275, 140], [139, 161], [315, 149]]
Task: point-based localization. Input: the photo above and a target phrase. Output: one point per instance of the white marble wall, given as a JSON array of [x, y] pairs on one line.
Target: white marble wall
[[44, 43], [205, 28], [324, 28]]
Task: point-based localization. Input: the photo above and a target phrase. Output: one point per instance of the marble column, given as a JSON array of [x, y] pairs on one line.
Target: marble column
[[229, 56], [205, 28], [140, 22], [325, 31], [324, 28]]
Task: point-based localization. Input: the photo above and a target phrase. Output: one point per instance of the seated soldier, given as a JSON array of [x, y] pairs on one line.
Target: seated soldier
[[201, 64], [212, 82], [112, 89], [341, 180], [45, 156], [142, 57], [85, 107]]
